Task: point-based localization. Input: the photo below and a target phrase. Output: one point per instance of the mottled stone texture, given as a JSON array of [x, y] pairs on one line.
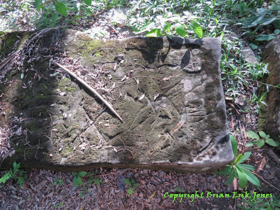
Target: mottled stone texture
[[269, 116], [168, 93]]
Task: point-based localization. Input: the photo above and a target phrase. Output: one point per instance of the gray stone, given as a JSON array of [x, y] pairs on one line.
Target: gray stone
[[269, 116], [168, 92], [249, 55]]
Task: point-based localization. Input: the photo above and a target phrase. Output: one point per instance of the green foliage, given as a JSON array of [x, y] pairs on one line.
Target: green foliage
[[91, 180], [167, 25], [77, 180], [261, 18], [94, 180], [261, 203], [61, 8], [97, 181], [56, 206], [239, 170], [261, 139], [82, 194], [57, 181], [108, 4], [197, 29], [7, 176], [132, 185], [15, 172], [159, 18], [264, 37]]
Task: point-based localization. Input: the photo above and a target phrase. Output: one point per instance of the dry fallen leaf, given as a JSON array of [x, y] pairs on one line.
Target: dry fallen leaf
[[262, 164], [152, 195]]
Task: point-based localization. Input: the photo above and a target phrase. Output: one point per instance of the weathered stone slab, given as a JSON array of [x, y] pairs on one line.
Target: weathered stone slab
[[168, 92], [269, 116]]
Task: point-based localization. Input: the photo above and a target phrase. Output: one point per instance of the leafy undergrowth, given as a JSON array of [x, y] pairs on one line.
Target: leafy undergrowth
[[238, 23]]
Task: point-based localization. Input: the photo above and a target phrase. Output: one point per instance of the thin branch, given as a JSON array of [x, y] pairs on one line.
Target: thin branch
[[90, 88], [265, 180]]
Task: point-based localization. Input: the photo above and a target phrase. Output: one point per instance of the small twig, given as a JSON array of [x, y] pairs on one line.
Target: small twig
[[265, 181], [262, 164], [274, 156], [90, 88]]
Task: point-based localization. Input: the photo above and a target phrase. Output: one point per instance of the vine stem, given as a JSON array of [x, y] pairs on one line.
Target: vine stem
[[90, 88]]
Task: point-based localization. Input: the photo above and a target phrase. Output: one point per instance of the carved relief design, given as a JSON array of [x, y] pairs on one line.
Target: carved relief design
[[194, 64]]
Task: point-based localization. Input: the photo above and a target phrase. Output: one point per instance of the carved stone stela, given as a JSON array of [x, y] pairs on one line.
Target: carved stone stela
[[167, 91]]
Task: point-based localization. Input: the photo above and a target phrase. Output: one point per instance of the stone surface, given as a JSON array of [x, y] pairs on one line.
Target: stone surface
[[168, 93], [269, 117], [249, 55]]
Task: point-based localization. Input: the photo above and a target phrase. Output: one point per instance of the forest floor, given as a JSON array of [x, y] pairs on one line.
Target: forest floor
[[45, 189]]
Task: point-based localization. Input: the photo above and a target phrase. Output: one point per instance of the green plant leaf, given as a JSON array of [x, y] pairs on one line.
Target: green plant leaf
[[180, 29], [130, 191], [215, 173], [197, 29], [230, 177], [16, 166], [262, 134], [275, 7], [82, 173], [245, 157], [75, 181], [252, 178], [54, 18], [238, 158], [277, 31], [267, 21], [169, 35], [260, 143], [273, 143], [7, 176], [38, 4], [97, 181], [276, 23], [225, 171], [128, 182], [249, 144], [242, 177], [266, 38], [166, 26], [61, 8], [148, 27], [80, 182], [153, 33], [88, 2], [253, 135], [253, 46], [246, 166], [234, 144]]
